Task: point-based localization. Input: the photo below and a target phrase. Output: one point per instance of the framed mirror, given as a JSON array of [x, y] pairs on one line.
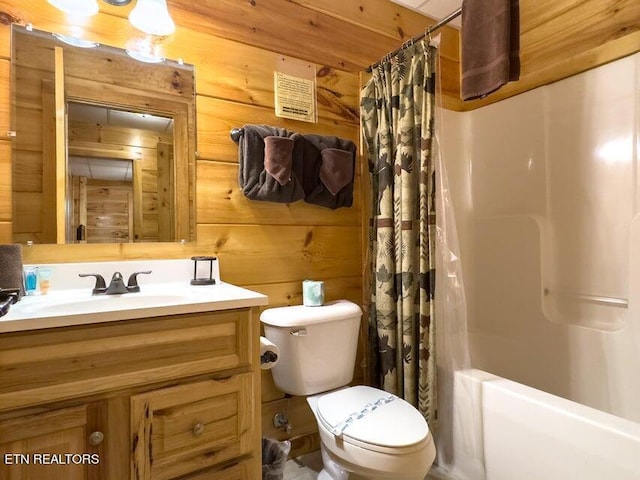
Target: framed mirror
[[104, 147]]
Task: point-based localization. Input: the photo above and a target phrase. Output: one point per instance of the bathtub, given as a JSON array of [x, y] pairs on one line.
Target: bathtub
[[522, 433]]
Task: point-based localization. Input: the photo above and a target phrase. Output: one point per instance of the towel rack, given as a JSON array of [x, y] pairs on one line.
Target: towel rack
[[598, 299], [236, 133]]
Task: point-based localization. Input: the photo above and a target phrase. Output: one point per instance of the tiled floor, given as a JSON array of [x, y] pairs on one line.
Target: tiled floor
[[308, 466]]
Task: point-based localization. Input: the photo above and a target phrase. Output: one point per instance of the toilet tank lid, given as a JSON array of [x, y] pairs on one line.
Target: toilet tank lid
[[299, 315]]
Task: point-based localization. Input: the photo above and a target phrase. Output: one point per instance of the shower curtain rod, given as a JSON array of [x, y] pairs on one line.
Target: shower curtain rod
[[415, 39]]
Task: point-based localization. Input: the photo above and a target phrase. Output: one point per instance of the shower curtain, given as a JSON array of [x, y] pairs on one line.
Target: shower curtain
[[397, 116]]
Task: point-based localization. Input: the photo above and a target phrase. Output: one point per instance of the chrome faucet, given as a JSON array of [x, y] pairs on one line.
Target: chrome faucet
[[116, 286]]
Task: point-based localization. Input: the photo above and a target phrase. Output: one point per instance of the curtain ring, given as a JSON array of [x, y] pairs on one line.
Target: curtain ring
[[427, 33]]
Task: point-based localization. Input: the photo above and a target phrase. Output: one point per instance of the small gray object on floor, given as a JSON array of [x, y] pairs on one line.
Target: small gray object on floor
[[274, 458]]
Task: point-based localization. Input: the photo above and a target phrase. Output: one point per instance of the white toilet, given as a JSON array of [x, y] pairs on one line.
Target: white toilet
[[366, 433]]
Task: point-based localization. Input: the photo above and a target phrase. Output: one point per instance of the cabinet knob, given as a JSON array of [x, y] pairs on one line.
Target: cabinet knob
[[96, 438], [198, 429]]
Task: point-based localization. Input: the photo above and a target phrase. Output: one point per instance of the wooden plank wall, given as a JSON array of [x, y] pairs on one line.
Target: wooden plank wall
[[142, 147], [234, 46], [560, 38], [107, 207], [268, 247]]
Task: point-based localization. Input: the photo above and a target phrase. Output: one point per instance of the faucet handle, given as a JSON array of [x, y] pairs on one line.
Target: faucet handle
[[100, 286], [132, 284]]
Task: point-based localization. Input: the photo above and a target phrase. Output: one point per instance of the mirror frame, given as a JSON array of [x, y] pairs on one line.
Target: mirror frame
[[155, 97]]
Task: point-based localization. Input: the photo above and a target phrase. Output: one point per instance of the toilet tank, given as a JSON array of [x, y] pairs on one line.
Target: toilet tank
[[317, 345]]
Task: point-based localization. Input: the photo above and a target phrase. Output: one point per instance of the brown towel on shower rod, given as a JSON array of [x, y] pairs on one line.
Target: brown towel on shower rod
[[11, 268], [490, 46]]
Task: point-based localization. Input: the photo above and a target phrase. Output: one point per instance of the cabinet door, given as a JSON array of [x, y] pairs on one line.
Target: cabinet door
[[51, 445], [183, 429]]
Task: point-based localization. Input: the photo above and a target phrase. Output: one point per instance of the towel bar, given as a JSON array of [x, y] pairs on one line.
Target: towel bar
[[236, 133]]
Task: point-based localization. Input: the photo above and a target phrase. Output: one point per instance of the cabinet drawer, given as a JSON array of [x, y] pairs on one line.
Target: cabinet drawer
[[64, 363], [183, 429]]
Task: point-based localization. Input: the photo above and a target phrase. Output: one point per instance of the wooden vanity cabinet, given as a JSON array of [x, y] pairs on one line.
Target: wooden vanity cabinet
[[62, 440], [153, 399], [180, 429]]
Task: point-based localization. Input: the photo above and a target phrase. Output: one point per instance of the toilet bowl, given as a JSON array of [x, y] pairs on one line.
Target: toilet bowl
[[365, 433]]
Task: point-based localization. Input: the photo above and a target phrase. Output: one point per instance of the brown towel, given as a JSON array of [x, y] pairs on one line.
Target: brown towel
[[329, 164], [336, 169], [490, 46], [11, 268], [277, 158], [256, 181]]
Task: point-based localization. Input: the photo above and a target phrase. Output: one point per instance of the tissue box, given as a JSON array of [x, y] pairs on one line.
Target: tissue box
[[312, 293]]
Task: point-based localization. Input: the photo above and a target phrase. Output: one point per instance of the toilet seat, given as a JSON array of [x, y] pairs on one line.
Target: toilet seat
[[373, 419]]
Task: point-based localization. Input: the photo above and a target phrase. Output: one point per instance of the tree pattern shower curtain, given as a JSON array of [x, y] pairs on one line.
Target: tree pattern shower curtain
[[397, 115]]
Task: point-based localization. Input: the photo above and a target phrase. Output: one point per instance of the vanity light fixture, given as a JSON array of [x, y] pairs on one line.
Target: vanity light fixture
[[152, 17], [148, 16], [83, 8]]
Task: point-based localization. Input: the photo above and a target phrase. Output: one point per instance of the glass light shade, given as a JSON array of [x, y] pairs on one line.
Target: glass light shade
[[152, 17], [83, 8], [144, 57], [75, 41]]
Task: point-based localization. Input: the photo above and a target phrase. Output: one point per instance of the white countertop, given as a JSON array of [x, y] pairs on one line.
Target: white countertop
[[70, 302], [80, 307]]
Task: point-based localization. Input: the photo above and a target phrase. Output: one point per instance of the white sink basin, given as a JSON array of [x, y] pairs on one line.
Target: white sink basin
[[77, 307], [103, 303]]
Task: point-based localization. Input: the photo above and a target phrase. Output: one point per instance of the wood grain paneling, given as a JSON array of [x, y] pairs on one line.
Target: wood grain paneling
[[234, 47], [5, 98], [57, 364], [386, 18], [290, 293], [5, 181], [253, 254], [163, 421], [272, 25], [244, 74], [221, 201], [110, 135], [563, 38], [5, 232], [217, 117]]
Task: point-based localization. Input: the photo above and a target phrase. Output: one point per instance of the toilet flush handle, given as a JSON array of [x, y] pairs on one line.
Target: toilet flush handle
[[300, 332]]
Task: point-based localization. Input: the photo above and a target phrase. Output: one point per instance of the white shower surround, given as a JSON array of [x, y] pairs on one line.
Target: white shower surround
[[546, 190]]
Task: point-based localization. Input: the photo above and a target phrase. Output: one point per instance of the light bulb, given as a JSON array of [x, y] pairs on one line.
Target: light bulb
[[152, 17], [83, 8]]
